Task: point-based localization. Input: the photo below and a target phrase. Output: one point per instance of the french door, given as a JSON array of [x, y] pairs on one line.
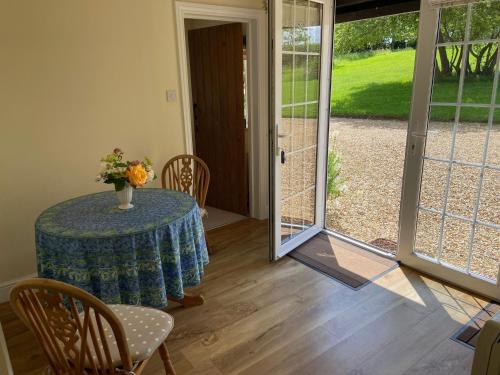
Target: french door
[[449, 217], [450, 222], [302, 67]]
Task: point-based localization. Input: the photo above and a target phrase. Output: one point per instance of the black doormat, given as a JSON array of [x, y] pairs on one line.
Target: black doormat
[[469, 333], [346, 263]]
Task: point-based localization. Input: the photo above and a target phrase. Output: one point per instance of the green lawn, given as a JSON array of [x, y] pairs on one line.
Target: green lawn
[[373, 86], [380, 85]]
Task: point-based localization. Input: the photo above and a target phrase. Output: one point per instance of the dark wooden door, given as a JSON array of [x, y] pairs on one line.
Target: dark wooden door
[[216, 63]]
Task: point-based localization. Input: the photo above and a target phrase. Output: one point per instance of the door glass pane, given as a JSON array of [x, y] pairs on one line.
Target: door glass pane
[[301, 15], [298, 129], [439, 132], [299, 123], [486, 252], [462, 192], [434, 178], [313, 65], [458, 221], [485, 20], [455, 243], [488, 211], [287, 25], [451, 25], [493, 154], [478, 82], [471, 134], [300, 78], [428, 230], [446, 79]]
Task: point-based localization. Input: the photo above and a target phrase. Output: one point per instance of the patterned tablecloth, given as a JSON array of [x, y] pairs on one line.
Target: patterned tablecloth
[[136, 256]]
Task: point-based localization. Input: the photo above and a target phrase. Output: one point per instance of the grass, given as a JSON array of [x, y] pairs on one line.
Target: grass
[[379, 84], [373, 86]]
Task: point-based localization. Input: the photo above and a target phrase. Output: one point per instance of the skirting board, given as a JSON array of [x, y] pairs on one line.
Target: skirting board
[[6, 286]]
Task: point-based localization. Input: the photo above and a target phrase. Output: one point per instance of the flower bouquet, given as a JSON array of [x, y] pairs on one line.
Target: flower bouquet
[[125, 175]]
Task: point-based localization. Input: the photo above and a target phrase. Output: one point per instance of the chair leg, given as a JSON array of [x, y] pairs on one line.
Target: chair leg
[[209, 247], [165, 357]]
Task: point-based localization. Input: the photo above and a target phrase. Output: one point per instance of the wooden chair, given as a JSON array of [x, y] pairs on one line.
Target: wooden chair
[[79, 334], [188, 174]]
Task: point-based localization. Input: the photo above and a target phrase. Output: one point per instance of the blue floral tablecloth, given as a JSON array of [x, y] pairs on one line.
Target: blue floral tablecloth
[[136, 256]]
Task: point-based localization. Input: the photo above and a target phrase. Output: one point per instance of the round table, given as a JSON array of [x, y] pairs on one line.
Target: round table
[[140, 256]]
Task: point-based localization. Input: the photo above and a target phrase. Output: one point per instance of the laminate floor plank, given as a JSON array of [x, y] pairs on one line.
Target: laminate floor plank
[[285, 318], [449, 357], [398, 356]]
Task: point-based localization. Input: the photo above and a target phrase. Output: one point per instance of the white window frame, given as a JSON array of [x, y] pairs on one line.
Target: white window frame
[[415, 156]]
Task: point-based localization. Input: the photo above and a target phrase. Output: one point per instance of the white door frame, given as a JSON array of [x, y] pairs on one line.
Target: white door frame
[[256, 20], [417, 134], [277, 250]]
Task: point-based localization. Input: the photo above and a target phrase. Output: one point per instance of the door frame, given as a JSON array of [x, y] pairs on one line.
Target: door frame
[[256, 20], [413, 168], [276, 249]]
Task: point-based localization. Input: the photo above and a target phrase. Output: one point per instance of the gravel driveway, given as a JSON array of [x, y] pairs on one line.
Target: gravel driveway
[[372, 154]]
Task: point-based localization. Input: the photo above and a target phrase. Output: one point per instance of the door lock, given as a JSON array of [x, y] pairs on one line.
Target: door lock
[[282, 156]]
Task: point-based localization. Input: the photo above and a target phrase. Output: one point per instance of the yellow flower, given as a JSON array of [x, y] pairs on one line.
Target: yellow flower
[[136, 175]]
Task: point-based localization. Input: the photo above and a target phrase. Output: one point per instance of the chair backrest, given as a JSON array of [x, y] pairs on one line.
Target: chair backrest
[[188, 174], [70, 325]]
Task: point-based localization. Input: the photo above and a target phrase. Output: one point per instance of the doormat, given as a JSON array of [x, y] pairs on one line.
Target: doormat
[[344, 262], [469, 333], [386, 245]]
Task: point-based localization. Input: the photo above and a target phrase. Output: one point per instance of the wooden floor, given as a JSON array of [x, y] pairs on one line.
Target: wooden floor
[[285, 318]]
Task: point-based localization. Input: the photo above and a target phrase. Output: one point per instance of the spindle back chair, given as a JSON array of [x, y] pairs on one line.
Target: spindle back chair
[[188, 174], [76, 329]]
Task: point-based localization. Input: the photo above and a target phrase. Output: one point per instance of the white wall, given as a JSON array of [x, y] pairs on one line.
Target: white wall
[[78, 78]]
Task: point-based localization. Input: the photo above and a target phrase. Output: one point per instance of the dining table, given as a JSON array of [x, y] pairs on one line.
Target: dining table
[[145, 255]]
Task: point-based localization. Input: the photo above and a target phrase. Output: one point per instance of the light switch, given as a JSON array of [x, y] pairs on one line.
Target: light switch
[[171, 95]]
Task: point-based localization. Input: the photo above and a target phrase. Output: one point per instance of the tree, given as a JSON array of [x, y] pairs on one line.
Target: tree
[[480, 58], [392, 32], [376, 33]]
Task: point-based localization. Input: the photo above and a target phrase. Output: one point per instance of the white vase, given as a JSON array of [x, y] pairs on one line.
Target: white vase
[[125, 197]]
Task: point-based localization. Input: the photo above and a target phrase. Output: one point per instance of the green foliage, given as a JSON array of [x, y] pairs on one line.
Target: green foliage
[[376, 33], [335, 184]]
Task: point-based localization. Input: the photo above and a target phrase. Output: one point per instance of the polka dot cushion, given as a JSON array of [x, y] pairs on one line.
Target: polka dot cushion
[[145, 329]]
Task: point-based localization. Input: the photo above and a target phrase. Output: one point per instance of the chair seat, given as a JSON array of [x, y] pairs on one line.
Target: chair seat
[[145, 329]]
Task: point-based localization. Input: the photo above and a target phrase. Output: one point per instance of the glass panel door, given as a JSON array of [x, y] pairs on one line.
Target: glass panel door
[[454, 149], [302, 64]]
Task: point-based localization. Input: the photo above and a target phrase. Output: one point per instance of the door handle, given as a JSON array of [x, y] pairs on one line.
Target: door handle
[[282, 157]]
